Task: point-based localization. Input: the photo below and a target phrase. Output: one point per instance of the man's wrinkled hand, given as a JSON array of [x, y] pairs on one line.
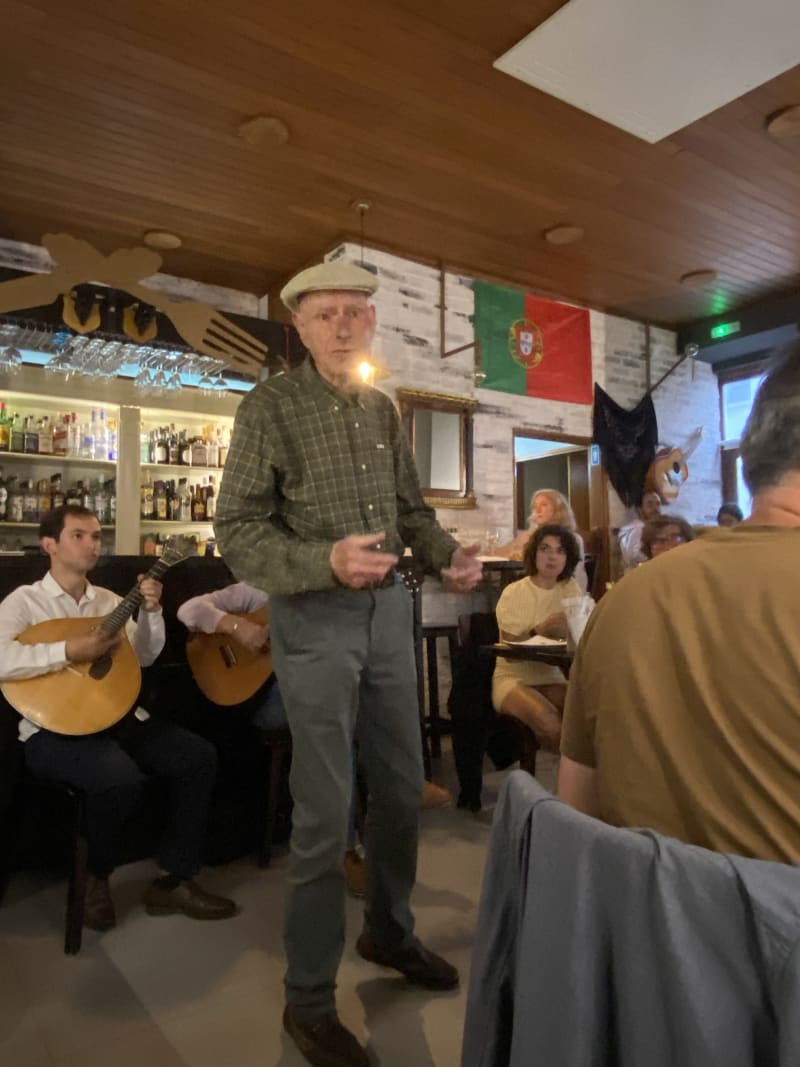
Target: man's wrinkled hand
[[465, 570], [88, 647], [357, 562]]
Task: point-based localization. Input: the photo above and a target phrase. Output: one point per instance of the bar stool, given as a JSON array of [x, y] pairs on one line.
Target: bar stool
[[433, 724]]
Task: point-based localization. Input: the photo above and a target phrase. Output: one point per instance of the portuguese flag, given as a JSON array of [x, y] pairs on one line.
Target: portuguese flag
[[533, 346]]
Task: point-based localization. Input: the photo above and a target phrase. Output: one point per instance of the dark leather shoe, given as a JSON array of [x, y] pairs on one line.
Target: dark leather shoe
[[417, 963], [187, 898], [324, 1041], [98, 907]]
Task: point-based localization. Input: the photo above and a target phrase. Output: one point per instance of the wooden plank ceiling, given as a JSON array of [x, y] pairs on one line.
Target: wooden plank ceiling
[[117, 119]]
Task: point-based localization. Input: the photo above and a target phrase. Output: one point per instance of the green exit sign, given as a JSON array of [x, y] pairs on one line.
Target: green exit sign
[[724, 329]]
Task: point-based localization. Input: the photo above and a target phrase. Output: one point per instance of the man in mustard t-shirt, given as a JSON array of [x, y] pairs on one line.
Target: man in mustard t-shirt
[[683, 709]]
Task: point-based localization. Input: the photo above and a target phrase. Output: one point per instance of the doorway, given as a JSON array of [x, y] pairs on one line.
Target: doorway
[[541, 463]]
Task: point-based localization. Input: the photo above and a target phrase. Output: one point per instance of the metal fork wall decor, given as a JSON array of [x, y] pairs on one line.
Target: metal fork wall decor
[[204, 328]]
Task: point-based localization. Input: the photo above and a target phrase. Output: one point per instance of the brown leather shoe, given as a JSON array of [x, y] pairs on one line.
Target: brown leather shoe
[[323, 1040], [98, 907], [355, 873], [189, 899], [419, 965]]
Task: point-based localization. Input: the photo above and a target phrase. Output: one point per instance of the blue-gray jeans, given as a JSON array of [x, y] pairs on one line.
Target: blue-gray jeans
[[345, 664]]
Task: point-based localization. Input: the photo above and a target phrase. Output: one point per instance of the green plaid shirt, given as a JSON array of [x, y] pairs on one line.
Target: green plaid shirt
[[309, 466]]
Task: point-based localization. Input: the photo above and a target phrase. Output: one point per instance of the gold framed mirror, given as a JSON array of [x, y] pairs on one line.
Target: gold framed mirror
[[439, 430]]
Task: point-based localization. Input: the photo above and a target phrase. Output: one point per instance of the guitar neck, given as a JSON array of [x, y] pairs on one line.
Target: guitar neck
[[126, 607]]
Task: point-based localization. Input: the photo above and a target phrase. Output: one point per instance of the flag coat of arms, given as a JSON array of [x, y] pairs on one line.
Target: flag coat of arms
[[533, 346]]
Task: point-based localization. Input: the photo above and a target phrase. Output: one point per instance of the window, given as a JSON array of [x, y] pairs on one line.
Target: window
[[736, 397]]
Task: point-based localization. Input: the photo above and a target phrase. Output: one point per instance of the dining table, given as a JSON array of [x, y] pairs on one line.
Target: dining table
[[559, 655]]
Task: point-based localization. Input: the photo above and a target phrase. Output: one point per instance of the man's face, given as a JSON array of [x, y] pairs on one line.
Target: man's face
[[78, 546], [337, 329], [651, 506]]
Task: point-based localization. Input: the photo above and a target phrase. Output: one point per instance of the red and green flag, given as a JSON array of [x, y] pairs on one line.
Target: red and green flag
[[533, 346]]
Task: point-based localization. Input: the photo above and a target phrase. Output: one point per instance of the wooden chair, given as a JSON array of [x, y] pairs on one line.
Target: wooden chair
[[278, 744]]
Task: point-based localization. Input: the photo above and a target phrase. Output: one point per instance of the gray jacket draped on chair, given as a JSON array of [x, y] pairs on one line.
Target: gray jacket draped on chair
[[598, 946]]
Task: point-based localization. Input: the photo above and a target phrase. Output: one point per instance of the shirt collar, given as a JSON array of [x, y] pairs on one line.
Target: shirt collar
[[53, 589]]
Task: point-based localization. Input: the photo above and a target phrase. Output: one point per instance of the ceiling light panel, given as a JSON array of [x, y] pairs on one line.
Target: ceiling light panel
[[651, 67]]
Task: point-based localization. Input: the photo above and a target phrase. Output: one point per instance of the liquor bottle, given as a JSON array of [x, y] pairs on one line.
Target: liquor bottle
[[3, 497], [61, 436], [160, 501], [213, 447], [112, 440], [74, 436], [57, 495], [211, 500], [5, 429], [224, 445], [186, 500], [85, 495], [161, 450], [42, 498], [111, 489], [30, 438], [30, 502], [185, 449], [199, 453], [17, 434], [86, 431], [100, 503], [146, 509], [173, 447], [173, 502], [101, 437], [45, 436], [198, 505], [15, 501], [72, 495]]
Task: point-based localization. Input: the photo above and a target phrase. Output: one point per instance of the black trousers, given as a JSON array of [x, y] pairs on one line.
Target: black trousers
[[111, 769]]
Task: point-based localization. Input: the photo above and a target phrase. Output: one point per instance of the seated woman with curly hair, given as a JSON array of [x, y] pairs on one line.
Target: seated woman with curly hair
[[534, 692]]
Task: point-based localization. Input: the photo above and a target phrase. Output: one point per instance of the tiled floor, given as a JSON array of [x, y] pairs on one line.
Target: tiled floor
[[168, 992]]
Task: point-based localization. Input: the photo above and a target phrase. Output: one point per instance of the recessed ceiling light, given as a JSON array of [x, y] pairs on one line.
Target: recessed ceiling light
[[696, 279], [784, 123], [162, 239], [563, 235], [262, 128]]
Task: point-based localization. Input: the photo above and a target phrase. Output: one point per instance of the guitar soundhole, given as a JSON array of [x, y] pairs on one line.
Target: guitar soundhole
[[228, 655], [100, 668]]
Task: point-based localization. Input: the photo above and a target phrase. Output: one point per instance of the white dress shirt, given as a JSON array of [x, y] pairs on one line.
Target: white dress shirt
[[30, 604], [202, 613]]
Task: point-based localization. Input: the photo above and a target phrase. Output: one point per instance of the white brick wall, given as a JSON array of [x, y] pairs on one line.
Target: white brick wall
[[409, 344]]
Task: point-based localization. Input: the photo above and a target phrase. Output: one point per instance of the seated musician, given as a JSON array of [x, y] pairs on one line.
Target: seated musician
[[110, 766], [224, 611], [530, 691]]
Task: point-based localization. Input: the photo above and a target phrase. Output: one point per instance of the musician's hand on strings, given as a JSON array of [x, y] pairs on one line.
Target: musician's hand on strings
[[249, 634], [150, 589], [90, 646]]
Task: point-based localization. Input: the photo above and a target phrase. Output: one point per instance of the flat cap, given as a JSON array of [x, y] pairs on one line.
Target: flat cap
[[328, 276]]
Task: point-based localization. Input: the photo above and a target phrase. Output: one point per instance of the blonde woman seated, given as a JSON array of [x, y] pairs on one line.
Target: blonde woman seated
[[548, 506], [535, 692]]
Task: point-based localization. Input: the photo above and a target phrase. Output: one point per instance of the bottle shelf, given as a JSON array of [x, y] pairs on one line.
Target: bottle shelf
[[51, 457], [180, 467], [6, 523], [171, 524]]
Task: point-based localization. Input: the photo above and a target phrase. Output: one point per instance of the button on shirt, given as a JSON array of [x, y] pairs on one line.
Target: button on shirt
[[309, 466], [30, 604]]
